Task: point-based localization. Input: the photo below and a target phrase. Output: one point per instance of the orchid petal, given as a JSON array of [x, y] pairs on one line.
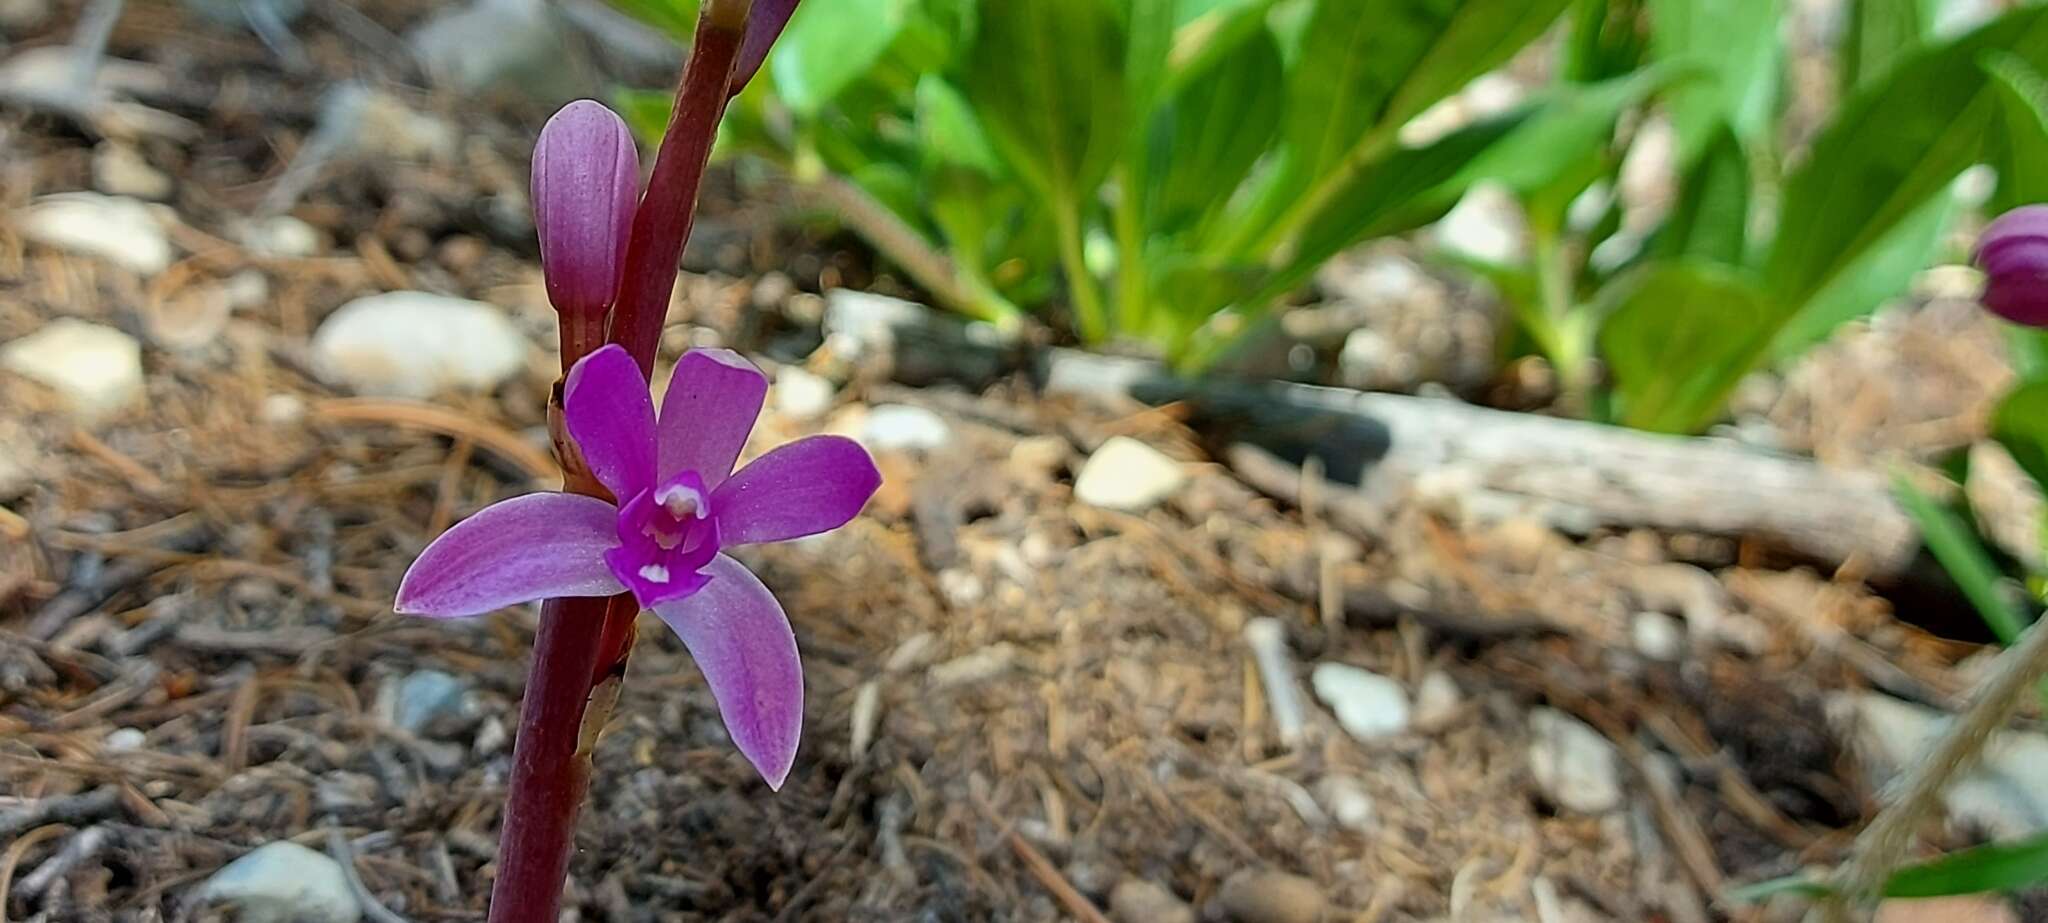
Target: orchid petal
[[530, 547], [741, 640], [709, 410], [802, 488], [609, 412]]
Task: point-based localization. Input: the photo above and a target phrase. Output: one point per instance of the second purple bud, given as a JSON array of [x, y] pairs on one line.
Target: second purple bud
[[586, 184], [2013, 253]]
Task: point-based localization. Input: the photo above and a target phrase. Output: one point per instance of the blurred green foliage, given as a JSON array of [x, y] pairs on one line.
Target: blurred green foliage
[[1170, 171], [1164, 170], [1769, 245]]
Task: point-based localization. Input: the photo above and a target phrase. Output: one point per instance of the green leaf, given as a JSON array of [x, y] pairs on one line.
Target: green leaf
[[1734, 45], [1046, 78], [1880, 33], [1371, 65], [1573, 125], [947, 130], [1407, 189], [1606, 40], [1678, 339], [1992, 867], [1882, 273], [829, 46], [1711, 220], [2022, 149], [1896, 144], [2028, 347], [1145, 56], [645, 111], [1213, 130], [1548, 142], [2020, 422], [1954, 544]]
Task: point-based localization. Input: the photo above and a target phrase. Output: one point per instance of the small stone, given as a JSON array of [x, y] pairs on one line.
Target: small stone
[[865, 715], [1437, 700], [118, 170], [1091, 871], [97, 370], [1125, 474], [1575, 767], [117, 229], [491, 737], [2004, 796], [961, 587], [1486, 225], [1038, 457], [1657, 636], [282, 236], [1138, 901], [121, 739], [1271, 897], [429, 700], [800, 395], [913, 652], [282, 409], [365, 120], [1362, 362], [416, 344], [284, 882], [903, 428], [1347, 802], [1369, 706], [344, 791], [191, 320], [526, 48], [980, 666]]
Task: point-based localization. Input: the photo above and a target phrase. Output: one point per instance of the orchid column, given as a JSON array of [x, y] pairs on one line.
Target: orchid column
[[649, 502]]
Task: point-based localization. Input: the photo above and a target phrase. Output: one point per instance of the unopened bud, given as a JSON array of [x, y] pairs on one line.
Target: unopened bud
[[586, 184]]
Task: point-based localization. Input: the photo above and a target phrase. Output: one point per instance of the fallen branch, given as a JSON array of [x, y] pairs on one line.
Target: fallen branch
[[1573, 475]]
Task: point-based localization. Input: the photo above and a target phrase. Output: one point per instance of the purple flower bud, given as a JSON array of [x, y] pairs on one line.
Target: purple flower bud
[[764, 24], [586, 183], [2014, 256]]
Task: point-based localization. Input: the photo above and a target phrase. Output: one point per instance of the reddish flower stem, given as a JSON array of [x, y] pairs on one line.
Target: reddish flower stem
[[581, 649], [550, 762], [662, 223]]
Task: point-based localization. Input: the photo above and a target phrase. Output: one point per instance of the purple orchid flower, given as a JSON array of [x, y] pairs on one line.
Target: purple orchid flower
[[681, 506]]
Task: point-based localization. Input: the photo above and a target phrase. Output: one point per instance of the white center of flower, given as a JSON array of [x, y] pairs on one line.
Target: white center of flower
[[654, 573], [681, 502]]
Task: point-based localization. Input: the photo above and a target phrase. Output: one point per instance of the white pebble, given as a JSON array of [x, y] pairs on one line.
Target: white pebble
[[416, 344], [284, 882], [1125, 474], [97, 370], [800, 395], [902, 427], [120, 230], [1576, 768], [1369, 706]]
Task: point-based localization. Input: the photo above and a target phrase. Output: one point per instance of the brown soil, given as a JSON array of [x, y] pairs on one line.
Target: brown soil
[[1061, 697]]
